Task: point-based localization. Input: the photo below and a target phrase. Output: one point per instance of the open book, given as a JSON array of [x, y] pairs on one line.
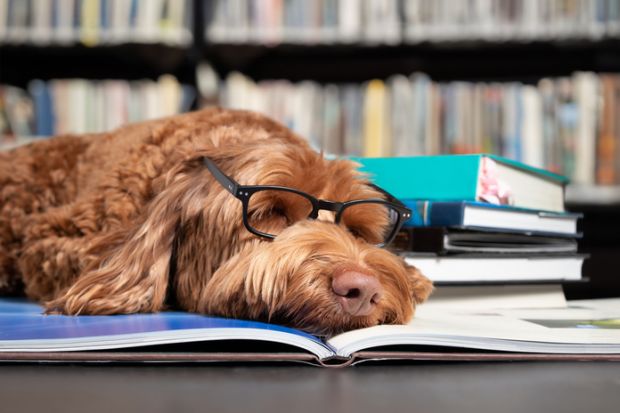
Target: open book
[[584, 330]]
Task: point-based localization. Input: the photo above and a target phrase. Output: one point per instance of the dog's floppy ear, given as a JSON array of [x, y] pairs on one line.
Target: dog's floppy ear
[[252, 283], [421, 286], [130, 273]]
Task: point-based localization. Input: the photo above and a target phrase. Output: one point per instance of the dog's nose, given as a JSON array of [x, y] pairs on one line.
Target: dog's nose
[[357, 293]]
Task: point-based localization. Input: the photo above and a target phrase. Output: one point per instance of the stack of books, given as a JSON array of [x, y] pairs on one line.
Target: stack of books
[[484, 221]]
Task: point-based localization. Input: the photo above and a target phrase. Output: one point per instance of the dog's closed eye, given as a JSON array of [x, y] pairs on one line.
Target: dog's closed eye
[[369, 235], [356, 232]]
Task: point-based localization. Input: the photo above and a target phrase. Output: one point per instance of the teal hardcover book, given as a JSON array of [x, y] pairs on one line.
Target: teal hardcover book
[[477, 177]]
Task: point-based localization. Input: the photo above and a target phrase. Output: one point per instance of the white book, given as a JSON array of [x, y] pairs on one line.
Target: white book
[[207, 82], [382, 22], [413, 19], [136, 107], [147, 20], [151, 99], [215, 29], [302, 104], [176, 28], [169, 95], [587, 90], [120, 28], [532, 138], [350, 20], [78, 90], [99, 108], [41, 31], [90, 106], [469, 268]]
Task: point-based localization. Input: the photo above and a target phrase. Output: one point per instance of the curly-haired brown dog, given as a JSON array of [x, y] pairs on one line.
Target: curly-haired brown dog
[[132, 221]]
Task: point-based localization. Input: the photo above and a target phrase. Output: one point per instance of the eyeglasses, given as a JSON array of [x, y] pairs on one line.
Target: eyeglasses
[[268, 209]]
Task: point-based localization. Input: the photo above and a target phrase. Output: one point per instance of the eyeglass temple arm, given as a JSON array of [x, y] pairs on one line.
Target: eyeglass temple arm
[[226, 181], [389, 196]]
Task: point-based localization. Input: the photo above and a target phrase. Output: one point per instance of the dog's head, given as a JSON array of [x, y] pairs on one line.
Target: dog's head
[[192, 244], [316, 274]]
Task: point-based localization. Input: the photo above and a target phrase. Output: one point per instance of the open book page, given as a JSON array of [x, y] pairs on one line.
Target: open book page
[[580, 328], [24, 328]]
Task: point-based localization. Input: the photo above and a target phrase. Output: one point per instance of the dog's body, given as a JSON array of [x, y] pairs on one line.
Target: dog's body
[[131, 221]]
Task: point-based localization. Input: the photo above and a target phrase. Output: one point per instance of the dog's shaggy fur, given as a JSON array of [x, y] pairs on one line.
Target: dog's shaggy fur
[[92, 224]]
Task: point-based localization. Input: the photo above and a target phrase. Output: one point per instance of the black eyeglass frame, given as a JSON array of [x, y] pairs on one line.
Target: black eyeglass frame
[[245, 192]]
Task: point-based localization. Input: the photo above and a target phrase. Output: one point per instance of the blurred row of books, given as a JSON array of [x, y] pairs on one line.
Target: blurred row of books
[[81, 106], [489, 232], [568, 125], [410, 21], [95, 22]]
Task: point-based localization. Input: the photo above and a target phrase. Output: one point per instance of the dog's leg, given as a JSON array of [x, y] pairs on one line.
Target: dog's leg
[[50, 265]]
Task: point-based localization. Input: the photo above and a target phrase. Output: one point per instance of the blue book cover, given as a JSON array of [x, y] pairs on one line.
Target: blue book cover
[[491, 217], [24, 327]]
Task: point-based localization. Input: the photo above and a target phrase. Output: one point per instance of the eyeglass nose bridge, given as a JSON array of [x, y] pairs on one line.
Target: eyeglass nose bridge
[[324, 205]]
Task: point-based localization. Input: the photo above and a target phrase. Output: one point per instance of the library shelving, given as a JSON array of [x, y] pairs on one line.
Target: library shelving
[[459, 57]]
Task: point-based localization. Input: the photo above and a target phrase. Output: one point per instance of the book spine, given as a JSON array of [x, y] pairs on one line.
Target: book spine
[[44, 118], [605, 172]]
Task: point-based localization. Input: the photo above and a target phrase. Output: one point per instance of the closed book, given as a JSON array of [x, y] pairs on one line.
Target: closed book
[[443, 240], [494, 268], [478, 177], [483, 216]]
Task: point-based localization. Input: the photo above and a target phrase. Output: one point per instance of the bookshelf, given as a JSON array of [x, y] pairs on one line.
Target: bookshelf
[[355, 57]]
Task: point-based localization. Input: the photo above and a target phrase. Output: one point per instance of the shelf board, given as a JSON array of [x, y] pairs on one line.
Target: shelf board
[[22, 63], [469, 60]]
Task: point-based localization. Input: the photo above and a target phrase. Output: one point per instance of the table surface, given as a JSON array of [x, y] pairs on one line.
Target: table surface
[[522, 387]]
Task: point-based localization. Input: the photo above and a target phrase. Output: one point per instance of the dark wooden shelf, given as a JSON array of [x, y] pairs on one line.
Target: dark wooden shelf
[[21, 63], [340, 63], [467, 60]]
